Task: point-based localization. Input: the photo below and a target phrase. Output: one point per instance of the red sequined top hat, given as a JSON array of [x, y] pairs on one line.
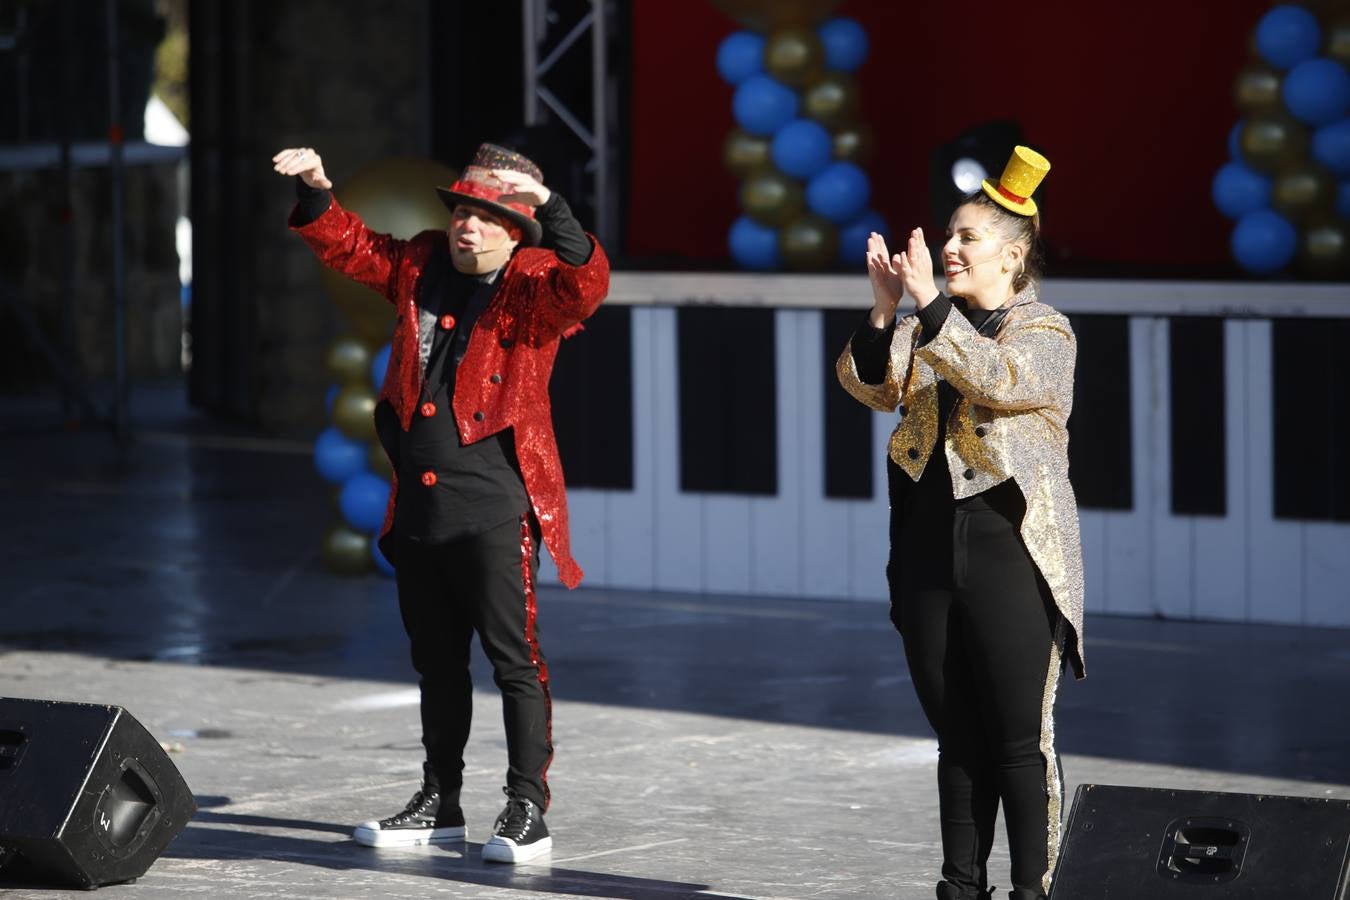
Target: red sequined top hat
[[477, 186]]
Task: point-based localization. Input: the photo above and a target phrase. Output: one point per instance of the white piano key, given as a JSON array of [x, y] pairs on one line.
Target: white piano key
[[1125, 579], [1326, 573], [631, 515], [1275, 569], [776, 522], [824, 521], [679, 516]]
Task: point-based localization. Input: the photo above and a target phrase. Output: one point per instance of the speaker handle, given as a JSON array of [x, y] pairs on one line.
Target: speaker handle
[[1203, 849]]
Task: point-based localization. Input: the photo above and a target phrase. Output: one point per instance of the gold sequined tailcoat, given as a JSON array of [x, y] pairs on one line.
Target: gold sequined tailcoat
[[1016, 393]]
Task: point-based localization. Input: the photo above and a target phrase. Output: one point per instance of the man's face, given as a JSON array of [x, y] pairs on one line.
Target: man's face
[[476, 232]]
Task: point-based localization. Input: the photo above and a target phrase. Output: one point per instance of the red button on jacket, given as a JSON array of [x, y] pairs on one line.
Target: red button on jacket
[[428, 410], [447, 321], [428, 478]]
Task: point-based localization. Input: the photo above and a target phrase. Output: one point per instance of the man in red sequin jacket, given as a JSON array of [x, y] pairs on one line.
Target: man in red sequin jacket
[[465, 418]]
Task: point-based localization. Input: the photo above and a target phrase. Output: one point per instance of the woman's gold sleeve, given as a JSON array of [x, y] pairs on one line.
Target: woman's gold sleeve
[[884, 397], [1029, 368]]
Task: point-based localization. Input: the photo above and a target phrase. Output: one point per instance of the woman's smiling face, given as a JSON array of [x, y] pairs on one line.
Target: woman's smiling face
[[972, 255]]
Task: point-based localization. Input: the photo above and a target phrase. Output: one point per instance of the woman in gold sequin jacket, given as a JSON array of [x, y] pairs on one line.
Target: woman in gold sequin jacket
[[985, 570]]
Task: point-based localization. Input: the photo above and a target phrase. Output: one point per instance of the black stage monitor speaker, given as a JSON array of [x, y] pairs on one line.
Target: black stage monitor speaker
[[1132, 843], [87, 796]]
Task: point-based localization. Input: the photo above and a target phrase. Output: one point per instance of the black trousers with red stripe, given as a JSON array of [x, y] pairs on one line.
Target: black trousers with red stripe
[[447, 593]]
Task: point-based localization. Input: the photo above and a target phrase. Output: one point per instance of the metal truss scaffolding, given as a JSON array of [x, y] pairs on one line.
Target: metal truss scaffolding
[[539, 18]]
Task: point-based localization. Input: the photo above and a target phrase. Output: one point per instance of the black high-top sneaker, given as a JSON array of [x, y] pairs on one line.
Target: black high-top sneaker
[[519, 834], [423, 821]]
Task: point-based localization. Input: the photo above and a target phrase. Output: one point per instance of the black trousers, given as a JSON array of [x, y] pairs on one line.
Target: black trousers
[[979, 627], [446, 593]]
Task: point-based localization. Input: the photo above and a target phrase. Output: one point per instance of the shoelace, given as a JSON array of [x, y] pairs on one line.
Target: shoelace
[[515, 820], [416, 808]]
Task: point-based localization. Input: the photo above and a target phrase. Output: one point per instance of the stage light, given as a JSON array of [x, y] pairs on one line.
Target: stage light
[[957, 167], [967, 174]]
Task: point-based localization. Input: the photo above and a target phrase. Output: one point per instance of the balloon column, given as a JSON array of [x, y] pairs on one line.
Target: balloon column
[[396, 197], [1287, 182], [799, 147]]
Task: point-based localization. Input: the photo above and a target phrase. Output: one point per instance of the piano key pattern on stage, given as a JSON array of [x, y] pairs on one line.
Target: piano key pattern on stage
[[708, 447]]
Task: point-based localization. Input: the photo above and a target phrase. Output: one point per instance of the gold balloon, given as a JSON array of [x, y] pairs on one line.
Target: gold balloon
[[832, 100], [1257, 88], [808, 243], [1338, 40], [354, 412], [1303, 191], [348, 360], [346, 552], [772, 198], [1273, 140], [1324, 250], [744, 153], [794, 56], [853, 144], [379, 461], [770, 15], [394, 196]]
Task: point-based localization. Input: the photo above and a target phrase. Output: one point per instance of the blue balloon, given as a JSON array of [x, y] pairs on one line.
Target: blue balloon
[[762, 105], [1287, 35], [1239, 189], [845, 43], [1264, 242], [1235, 139], [740, 55], [338, 457], [1317, 91], [363, 501], [1343, 200], [754, 246], [853, 237], [1331, 147], [802, 148], [378, 365], [839, 193], [382, 564]]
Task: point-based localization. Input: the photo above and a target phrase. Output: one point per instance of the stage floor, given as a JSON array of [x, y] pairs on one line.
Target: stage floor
[[706, 746]]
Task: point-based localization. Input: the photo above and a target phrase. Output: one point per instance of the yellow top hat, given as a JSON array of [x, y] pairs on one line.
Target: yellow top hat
[[1021, 176]]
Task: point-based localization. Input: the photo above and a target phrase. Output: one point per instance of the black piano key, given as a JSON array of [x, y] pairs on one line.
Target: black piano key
[[849, 450], [728, 408], [1101, 447], [592, 399], [1198, 415], [1311, 418]]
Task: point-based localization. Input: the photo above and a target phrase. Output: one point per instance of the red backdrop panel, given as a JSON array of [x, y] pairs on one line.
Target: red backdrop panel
[[1131, 103]]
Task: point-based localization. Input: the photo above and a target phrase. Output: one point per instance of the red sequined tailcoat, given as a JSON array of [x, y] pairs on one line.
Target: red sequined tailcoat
[[503, 379]]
